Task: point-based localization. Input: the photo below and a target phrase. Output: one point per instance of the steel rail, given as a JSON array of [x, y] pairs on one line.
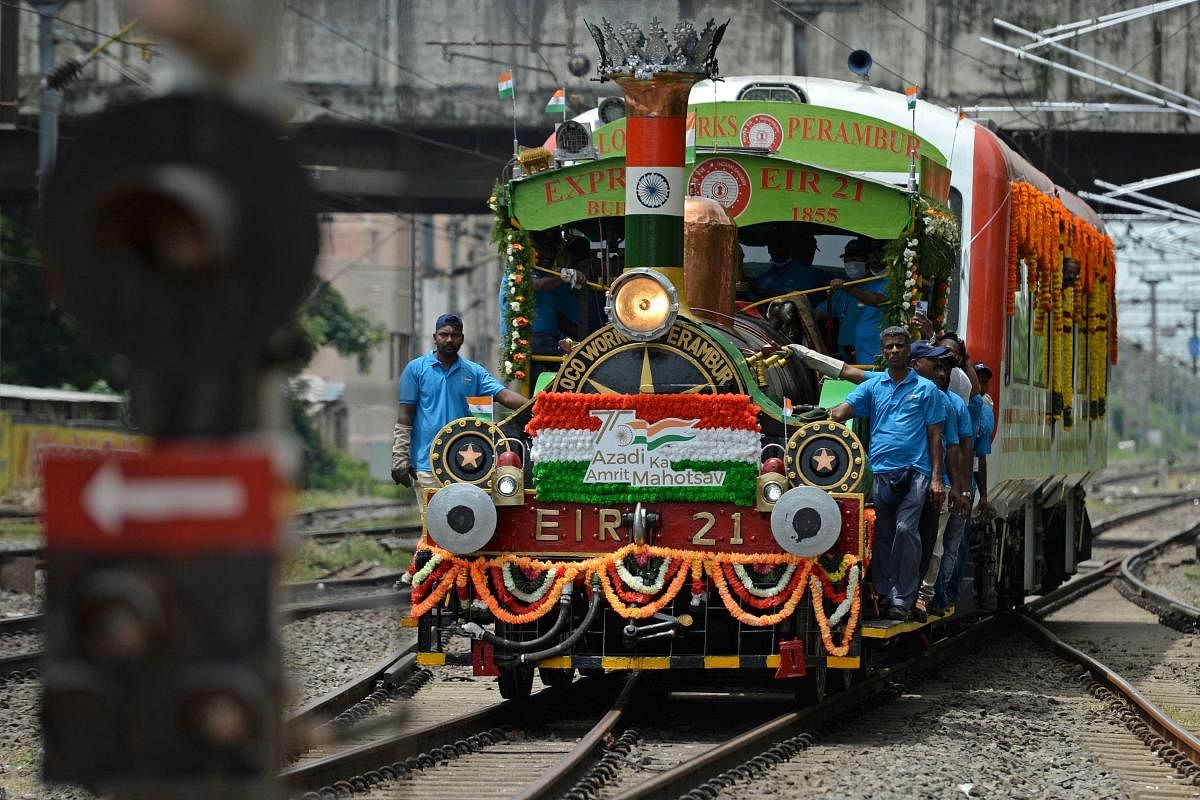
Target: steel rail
[[1072, 590], [690, 774], [1122, 517], [20, 663], [570, 767], [369, 757], [1182, 739], [407, 531], [27, 623], [391, 671], [1170, 609]]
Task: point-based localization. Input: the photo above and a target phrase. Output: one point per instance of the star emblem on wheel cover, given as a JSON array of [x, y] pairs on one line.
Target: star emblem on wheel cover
[[823, 461], [468, 457]]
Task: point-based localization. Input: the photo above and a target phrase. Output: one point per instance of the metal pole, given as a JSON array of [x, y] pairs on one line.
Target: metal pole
[[1153, 376], [50, 99]]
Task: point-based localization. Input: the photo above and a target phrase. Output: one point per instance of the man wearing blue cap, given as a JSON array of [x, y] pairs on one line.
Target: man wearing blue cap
[[906, 413], [433, 391]]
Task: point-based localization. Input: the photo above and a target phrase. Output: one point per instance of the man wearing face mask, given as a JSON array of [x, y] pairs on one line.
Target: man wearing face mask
[[791, 265], [862, 316]]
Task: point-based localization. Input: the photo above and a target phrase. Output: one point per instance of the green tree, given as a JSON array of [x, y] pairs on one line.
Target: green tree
[[325, 320], [39, 344]]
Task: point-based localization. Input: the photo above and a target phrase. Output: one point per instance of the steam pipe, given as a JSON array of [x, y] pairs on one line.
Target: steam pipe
[[569, 642], [476, 631]]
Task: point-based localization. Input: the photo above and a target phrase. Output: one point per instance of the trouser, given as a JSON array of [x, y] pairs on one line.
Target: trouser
[[956, 555], [425, 480], [947, 521], [898, 496], [929, 532]]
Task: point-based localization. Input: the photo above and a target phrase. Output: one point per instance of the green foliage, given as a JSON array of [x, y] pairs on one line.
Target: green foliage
[[42, 346], [325, 319]]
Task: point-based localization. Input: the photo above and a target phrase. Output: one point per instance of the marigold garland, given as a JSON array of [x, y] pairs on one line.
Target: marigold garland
[[486, 577], [519, 256], [1044, 233]]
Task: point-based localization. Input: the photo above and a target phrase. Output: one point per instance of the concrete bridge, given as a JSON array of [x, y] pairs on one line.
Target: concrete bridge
[[393, 103]]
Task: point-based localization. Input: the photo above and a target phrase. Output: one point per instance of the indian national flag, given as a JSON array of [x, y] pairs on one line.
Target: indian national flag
[[505, 85], [666, 431], [652, 447], [787, 406], [480, 407], [911, 93], [558, 102]]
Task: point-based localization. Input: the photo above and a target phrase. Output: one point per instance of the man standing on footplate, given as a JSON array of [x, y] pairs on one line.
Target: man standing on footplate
[[433, 391], [906, 458]]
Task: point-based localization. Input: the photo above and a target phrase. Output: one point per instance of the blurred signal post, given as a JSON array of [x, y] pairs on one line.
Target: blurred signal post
[[182, 234]]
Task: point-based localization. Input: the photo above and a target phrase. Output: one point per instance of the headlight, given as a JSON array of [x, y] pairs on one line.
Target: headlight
[[772, 492], [507, 486], [642, 304]]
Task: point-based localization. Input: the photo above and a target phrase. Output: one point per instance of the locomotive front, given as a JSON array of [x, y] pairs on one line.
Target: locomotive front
[[654, 508]]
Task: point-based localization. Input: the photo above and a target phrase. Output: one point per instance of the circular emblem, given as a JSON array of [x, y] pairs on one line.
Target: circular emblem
[[653, 189], [723, 180], [463, 452], [762, 130], [826, 455], [461, 518]]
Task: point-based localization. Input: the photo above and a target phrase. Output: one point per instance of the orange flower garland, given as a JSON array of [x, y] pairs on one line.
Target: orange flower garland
[[1042, 232], [454, 570]]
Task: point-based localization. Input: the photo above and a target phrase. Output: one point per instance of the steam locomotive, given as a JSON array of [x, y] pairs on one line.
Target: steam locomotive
[[663, 503]]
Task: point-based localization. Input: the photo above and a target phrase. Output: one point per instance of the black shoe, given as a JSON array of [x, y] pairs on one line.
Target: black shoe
[[897, 613], [919, 614]]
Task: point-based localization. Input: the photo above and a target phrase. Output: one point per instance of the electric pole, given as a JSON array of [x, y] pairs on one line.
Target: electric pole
[[1194, 342], [51, 98]]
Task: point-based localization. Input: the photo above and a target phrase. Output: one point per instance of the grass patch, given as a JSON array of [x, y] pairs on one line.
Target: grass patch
[[314, 560], [319, 498], [20, 772], [1189, 719], [20, 530]]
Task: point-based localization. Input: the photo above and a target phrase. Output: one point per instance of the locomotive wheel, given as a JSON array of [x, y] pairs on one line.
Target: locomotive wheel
[[810, 690], [516, 682], [556, 678]]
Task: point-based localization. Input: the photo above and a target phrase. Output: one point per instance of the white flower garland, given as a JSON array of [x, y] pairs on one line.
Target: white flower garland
[[844, 606], [635, 583], [424, 572], [765, 594], [526, 597]]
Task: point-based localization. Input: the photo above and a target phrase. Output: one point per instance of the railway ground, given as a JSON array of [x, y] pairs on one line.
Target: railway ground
[[970, 727]]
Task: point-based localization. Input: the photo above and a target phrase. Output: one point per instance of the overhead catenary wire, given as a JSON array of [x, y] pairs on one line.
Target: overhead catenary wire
[[808, 24]]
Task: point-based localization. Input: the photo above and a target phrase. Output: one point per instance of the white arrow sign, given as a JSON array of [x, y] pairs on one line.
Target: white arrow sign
[[110, 498]]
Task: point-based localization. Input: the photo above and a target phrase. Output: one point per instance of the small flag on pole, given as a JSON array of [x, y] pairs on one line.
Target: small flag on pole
[[787, 407], [480, 407], [911, 93], [558, 102], [505, 85]]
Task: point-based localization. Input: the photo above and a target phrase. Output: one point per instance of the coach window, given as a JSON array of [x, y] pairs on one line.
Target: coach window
[[1018, 333], [778, 92]]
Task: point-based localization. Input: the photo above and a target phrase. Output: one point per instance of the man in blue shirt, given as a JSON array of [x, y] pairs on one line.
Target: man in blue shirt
[[906, 458], [958, 556], [864, 258], [433, 391], [791, 265], [950, 522]]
